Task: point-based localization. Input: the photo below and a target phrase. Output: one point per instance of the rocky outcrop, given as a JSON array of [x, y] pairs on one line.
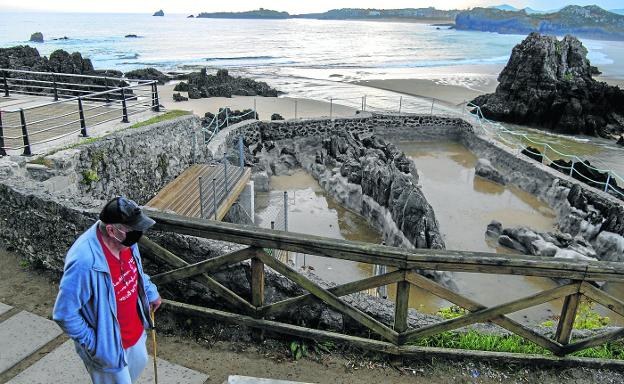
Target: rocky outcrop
[[548, 83], [276, 116], [177, 97], [485, 169], [36, 37], [621, 141], [181, 87], [232, 116], [200, 84], [159, 13], [530, 242], [25, 57], [582, 171], [148, 74]]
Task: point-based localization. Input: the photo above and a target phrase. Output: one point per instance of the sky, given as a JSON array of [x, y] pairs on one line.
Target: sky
[[291, 6]]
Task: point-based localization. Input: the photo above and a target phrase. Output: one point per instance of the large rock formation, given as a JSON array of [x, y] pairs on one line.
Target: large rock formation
[[36, 37], [548, 83], [28, 58], [148, 74], [159, 13], [200, 84]]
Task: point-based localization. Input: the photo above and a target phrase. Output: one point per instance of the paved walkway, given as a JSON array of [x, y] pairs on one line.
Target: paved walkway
[[33, 350]]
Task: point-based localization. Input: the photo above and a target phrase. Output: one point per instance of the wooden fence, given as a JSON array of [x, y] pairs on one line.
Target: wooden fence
[[396, 339]]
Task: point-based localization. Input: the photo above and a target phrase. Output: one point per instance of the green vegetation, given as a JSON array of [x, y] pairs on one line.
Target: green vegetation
[[512, 343], [586, 318], [165, 116], [89, 176], [298, 349], [301, 348], [451, 312], [41, 160]]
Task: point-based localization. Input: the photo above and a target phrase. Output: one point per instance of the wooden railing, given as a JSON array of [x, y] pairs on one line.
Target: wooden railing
[[396, 339]]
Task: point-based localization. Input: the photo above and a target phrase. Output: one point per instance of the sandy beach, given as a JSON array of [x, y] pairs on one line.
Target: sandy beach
[[287, 107], [450, 84]]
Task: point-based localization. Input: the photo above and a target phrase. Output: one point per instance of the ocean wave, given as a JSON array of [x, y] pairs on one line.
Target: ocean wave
[[447, 62], [241, 58]]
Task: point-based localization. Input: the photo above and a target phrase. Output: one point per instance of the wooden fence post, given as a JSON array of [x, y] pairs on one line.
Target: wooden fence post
[[568, 315], [257, 290], [401, 307]]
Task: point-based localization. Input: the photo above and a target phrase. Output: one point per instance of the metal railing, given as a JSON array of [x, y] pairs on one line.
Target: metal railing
[[518, 141], [610, 182], [75, 106], [399, 338]]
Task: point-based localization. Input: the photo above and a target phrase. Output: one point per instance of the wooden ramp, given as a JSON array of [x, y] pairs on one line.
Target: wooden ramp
[[182, 195]]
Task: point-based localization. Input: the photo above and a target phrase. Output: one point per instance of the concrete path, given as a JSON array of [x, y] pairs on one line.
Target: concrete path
[[24, 335], [256, 380]]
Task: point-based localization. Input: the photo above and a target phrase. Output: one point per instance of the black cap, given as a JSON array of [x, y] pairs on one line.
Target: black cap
[[125, 211]]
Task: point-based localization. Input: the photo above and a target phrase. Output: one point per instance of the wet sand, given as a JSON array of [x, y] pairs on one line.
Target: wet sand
[[266, 106], [425, 88], [451, 84]]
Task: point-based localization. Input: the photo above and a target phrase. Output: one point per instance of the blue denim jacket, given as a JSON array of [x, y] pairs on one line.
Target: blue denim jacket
[[86, 308]]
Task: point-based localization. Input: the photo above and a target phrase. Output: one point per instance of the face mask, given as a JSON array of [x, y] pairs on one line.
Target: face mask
[[132, 237]]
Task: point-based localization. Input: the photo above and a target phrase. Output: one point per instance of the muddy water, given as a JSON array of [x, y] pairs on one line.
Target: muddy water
[[464, 205], [313, 212]]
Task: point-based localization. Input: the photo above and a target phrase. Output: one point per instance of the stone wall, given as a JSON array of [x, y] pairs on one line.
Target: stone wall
[[46, 206], [548, 184], [406, 126], [139, 162]]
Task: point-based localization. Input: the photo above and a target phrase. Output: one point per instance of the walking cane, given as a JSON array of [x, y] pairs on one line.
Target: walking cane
[[154, 345]]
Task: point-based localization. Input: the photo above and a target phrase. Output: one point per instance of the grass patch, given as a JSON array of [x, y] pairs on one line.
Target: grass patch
[[41, 160], [513, 344], [586, 318], [166, 116]]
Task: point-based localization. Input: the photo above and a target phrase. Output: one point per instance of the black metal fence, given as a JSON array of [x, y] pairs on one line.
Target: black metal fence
[[79, 102]]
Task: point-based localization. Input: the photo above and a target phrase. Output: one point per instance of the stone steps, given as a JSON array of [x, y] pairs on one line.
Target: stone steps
[[257, 380], [24, 335]]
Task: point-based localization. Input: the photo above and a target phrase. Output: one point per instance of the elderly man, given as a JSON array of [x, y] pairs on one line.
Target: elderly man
[[104, 299]]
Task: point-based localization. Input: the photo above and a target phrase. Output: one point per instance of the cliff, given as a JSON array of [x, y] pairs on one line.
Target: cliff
[[590, 21], [403, 13], [548, 83]]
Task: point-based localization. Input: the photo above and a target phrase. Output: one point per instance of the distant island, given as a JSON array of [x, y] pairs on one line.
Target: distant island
[[159, 13], [404, 13], [257, 14], [590, 21], [341, 14]]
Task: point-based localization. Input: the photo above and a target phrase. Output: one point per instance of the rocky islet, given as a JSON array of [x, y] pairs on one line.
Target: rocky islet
[[548, 83]]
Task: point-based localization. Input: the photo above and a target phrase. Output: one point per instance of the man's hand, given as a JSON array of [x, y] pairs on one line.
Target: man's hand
[[154, 305]]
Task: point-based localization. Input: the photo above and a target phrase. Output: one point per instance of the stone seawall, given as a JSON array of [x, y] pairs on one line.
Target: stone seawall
[[548, 184], [46, 205], [407, 126]]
